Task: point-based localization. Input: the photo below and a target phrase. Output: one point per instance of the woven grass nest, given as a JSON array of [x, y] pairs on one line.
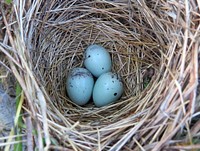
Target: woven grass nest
[[153, 46]]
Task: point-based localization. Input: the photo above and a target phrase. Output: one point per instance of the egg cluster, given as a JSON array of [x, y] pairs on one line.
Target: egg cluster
[[81, 85]]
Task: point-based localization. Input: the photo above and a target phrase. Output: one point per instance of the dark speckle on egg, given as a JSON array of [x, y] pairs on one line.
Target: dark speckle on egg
[[103, 68], [113, 81], [86, 56], [117, 77], [81, 74], [115, 94]]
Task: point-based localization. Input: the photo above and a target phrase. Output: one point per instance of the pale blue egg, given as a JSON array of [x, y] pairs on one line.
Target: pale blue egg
[[97, 60], [107, 89], [79, 85]]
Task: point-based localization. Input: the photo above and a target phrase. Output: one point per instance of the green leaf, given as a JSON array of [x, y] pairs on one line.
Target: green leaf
[[18, 94], [54, 141], [146, 82], [195, 141], [18, 147], [8, 2]]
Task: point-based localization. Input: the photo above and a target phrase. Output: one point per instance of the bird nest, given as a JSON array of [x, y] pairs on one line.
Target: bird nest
[[153, 47]]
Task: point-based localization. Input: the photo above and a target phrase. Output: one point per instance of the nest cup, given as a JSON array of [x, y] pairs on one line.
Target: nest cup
[[146, 44], [63, 35]]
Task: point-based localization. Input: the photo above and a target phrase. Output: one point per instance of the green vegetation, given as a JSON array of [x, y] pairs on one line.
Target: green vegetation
[[19, 125], [8, 2]]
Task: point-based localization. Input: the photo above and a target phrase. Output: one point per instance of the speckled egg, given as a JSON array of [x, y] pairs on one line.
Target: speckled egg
[[97, 60], [79, 85], [107, 89]]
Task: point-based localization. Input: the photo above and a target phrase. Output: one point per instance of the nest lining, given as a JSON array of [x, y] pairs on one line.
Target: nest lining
[[62, 38]]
